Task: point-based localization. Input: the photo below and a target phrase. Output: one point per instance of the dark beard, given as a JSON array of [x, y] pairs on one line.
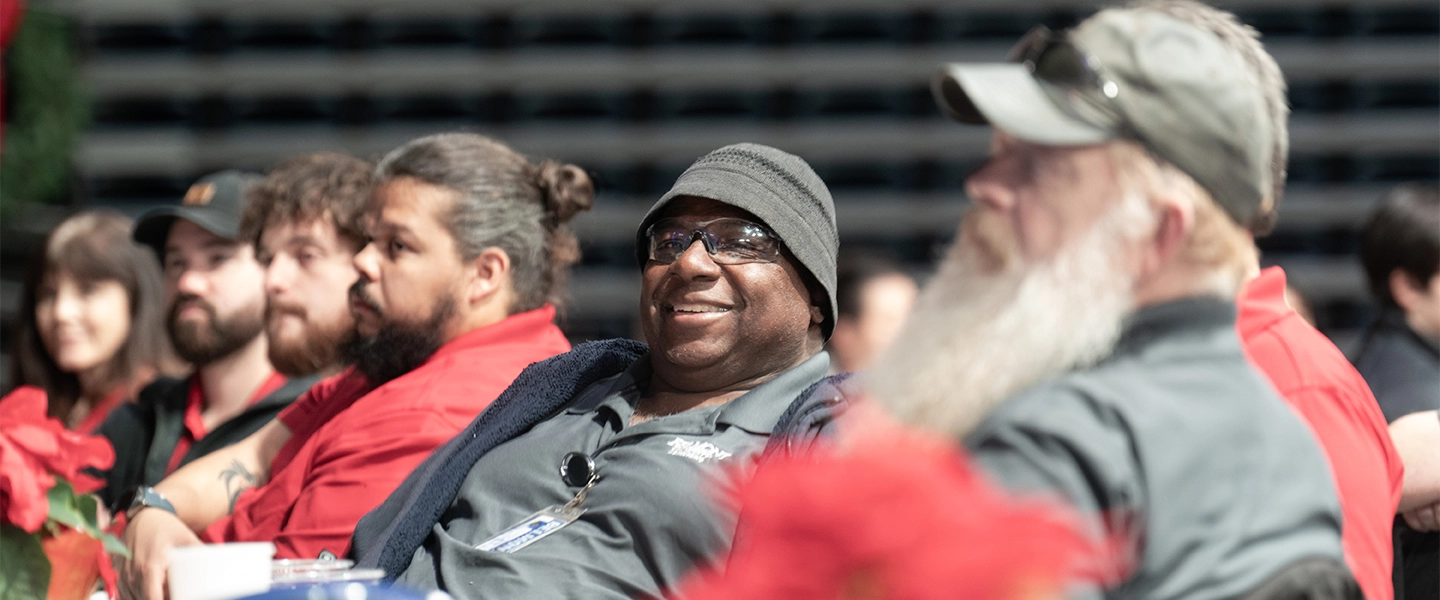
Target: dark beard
[[398, 347], [202, 344]]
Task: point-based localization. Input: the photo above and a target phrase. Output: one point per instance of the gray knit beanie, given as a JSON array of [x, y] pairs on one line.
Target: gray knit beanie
[[782, 191]]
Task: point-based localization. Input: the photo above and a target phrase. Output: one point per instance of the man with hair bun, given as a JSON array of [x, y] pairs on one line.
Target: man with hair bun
[[466, 251], [586, 479], [1080, 337]]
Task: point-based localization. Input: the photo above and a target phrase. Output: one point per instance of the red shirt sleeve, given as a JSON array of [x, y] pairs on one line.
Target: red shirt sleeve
[[349, 476]]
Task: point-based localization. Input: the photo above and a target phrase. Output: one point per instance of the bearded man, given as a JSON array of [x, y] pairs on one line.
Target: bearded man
[[307, 222], [216, 296], [1080, 337]]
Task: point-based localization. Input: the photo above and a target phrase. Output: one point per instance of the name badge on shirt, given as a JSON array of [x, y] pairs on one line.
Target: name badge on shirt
[[534, 528]]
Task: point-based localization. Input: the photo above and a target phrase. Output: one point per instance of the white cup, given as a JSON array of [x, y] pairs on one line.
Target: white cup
[[220, 571]]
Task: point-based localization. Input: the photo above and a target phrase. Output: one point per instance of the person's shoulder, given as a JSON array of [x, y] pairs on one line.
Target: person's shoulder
[[1064, 403], [164, 391]]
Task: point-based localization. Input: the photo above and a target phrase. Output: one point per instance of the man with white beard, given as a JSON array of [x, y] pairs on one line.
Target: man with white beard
[[1080, 337]]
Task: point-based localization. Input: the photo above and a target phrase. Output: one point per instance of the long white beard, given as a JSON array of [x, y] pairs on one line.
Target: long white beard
[[986, 326]]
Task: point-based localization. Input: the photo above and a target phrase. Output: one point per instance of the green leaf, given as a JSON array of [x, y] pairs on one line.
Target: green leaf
[[63, 507], [24, 569], [90, 511], [113, 545]]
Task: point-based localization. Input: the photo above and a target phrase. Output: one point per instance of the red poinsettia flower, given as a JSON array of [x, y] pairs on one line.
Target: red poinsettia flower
[[34, 451], [905, 518]]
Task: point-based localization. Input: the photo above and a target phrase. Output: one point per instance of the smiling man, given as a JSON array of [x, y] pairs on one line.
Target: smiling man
[[466, 249], [585, 480]]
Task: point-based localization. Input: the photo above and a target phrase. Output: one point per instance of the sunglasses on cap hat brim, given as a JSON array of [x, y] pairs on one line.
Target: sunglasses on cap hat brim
[[1049, 92]]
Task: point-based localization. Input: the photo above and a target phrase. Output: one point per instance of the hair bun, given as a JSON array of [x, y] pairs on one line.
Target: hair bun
[[566, 188]]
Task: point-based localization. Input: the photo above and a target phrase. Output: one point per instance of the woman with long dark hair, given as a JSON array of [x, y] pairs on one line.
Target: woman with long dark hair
[[92, 329]]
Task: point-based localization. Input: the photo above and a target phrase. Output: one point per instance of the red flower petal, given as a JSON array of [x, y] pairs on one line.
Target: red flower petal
[[906, 519], [34, 450]]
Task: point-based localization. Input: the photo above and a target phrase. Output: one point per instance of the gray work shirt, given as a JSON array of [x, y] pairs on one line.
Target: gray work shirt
[[650, 517], [1182, 449]]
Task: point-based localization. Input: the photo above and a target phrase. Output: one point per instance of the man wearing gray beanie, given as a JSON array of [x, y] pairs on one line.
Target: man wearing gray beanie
[[587, 477]]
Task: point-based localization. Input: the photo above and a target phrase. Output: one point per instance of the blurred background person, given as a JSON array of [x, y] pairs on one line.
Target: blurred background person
[[1400, 250], [94, 328], [873, 296], [1400, 358]]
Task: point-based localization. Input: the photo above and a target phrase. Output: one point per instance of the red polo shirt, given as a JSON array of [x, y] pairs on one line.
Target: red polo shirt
[[1319, 383], [194, 418], [351, 446]]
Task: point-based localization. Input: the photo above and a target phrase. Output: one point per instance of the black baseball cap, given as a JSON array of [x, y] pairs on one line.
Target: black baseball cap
[[214, 203]]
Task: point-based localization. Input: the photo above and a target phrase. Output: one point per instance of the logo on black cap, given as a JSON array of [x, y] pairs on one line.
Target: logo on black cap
[[199, 194]]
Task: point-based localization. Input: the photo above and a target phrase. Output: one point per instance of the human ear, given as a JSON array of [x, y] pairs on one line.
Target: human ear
[[489, 272], [1174, 221], [1405, 290]]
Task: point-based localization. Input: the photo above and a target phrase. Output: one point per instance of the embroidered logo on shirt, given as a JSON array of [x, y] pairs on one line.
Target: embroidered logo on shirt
[[697, 451]]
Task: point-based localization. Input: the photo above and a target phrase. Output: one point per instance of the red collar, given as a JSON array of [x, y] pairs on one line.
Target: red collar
[[519, 327], [1262, 302], [195, 401]]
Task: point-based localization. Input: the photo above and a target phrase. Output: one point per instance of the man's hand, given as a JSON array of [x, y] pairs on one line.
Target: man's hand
[[1425, 518], [150, 536]]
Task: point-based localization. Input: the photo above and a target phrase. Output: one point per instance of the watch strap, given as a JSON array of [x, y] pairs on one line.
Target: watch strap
[[146, 496]]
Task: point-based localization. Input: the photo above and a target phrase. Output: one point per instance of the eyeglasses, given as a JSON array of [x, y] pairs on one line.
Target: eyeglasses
[[1073, 77], [729, 241]]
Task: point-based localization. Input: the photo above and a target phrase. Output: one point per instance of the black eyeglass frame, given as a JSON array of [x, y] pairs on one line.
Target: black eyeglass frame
[[711, 242]]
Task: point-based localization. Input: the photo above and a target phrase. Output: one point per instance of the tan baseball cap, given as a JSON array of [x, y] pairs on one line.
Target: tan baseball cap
[[1130, 74]]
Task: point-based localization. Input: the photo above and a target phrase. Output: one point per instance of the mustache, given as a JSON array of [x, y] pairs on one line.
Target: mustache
[[275, 309], [187, 300], [358, 295]]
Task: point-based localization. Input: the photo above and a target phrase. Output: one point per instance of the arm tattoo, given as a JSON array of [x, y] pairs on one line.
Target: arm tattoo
[[236, 479]]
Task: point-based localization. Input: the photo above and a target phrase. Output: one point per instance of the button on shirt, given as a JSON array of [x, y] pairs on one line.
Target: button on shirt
[[651, 515]]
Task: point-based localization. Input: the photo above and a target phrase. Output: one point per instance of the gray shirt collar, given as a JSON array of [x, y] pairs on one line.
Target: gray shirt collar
[[1177, 317], [756, 411]]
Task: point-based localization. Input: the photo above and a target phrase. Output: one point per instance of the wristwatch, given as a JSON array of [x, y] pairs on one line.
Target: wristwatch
[[148, 496]]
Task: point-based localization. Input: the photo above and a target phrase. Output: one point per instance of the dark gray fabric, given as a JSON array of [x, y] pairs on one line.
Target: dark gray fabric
[[1309, 579], [777, 187], [1176, 445], [387, 536], [650, 517], [1401, 366]]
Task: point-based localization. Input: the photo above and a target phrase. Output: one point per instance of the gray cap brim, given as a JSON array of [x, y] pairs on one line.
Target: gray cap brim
[[1008, 97]]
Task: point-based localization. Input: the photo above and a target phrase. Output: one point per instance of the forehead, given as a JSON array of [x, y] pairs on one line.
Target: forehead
[[318, 229], [408, 201], [695, 208], [184, 234]]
